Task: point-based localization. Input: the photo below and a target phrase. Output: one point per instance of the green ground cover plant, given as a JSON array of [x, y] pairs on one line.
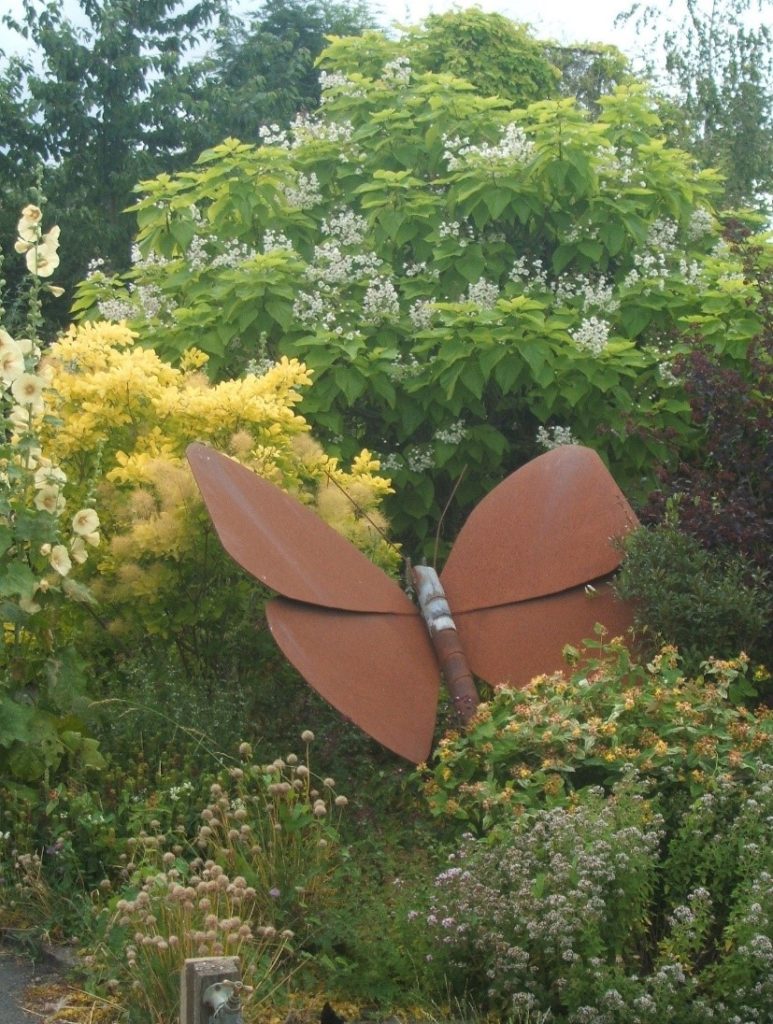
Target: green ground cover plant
[[600, 912]]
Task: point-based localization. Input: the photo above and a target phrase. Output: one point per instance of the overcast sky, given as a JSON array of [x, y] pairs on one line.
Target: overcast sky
[[563, 20], [567, 21]]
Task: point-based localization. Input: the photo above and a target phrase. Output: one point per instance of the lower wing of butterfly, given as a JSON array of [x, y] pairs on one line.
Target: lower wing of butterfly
[[378, 669]]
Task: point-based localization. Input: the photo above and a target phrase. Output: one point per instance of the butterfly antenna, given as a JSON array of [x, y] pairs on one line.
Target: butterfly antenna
[[446, 507], [361, 511]]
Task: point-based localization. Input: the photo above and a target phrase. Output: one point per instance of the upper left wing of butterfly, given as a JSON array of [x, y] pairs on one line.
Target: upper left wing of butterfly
[[285, 545]]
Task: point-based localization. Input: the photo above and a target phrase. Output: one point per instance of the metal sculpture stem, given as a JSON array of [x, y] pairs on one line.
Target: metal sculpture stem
[[437, 615]]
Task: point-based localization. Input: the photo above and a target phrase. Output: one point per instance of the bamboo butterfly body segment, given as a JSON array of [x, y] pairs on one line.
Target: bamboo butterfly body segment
[[515, 583]]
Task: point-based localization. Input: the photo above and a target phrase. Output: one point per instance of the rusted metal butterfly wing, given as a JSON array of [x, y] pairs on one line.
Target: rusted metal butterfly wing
[[517, 573], [378, 669], [348, 629], [547, 527], [511, 644]]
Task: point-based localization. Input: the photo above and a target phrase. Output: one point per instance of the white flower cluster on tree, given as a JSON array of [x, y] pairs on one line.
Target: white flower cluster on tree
[[554, 437], [513, 147], [483, 293], [592, 334]]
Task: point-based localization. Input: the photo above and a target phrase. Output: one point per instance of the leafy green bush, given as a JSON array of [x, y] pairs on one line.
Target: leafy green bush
[[697, 599], [575, 911], [536, 747]]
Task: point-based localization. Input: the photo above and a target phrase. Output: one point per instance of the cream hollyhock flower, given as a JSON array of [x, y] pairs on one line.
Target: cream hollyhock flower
[[78, 550], [48, 499], [19, 418], [85, 522], [5, 339], [28, 605], [48, 474], [27, 389], [11, 362], [28, 228], [60, 560], [43, 259]]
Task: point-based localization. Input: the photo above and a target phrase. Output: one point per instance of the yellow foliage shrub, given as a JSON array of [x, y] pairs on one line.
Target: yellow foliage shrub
[[122, 419]]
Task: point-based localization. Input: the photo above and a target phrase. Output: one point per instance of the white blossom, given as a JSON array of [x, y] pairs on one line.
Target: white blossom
[[338, 81], [304, 194], [380, 301], [701, 223], [554, 437], [276, 241], [60, 559], [308, 128], [420, 458], [234, 256], [454, 433], [274, 135], [483, 293], [397, 71], [346, 227], [592, 334], [115, 310], [420, 314], [513, 147]]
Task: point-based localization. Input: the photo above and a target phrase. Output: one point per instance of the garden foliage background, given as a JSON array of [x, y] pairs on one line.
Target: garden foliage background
[[384, 304]]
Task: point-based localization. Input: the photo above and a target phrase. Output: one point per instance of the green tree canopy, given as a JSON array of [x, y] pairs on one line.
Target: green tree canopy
[[496, 55], [467, 280], [261, 70]]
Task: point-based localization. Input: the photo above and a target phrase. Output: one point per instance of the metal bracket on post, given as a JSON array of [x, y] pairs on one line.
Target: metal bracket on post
[[206, 986]]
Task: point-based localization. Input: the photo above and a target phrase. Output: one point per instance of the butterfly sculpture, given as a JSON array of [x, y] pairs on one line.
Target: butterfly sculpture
[[515, 585]]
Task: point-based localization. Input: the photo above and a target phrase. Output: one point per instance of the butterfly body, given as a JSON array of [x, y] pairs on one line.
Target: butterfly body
[[514, 585]]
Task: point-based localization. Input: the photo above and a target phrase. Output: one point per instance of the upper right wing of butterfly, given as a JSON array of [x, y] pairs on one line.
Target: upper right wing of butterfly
[[549, 526]]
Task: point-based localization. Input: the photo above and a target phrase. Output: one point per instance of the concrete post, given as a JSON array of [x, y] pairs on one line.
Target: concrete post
[[197, 974]]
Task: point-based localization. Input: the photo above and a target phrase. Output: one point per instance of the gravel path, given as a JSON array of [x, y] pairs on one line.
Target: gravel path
[[16, 974]]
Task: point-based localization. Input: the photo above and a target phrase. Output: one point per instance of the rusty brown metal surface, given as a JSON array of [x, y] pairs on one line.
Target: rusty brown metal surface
[[547, 527], [510, 644], [515, 582], [284, 544], [379, 670]]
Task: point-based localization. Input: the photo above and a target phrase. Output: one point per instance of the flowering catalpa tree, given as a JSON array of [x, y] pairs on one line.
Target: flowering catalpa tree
[[467, 281], [39, 547]]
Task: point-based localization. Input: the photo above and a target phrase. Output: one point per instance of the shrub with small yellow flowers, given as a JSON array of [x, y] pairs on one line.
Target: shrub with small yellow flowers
[[537, 747], [123, 419]]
